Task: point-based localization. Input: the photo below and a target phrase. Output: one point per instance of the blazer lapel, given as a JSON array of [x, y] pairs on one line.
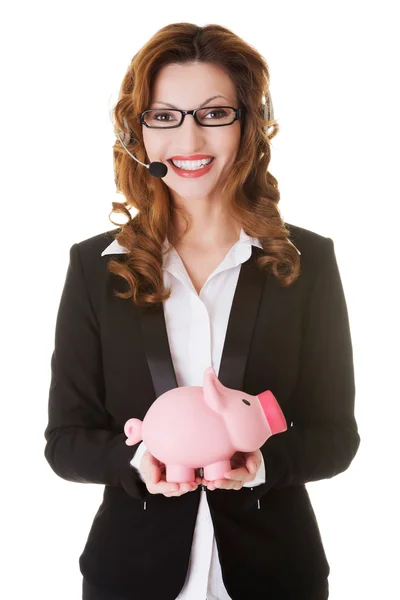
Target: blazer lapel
[[241, 324], [156, 346], [238, 338]]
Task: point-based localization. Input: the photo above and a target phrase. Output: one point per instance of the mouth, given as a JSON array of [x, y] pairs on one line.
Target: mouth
[[193, 171]]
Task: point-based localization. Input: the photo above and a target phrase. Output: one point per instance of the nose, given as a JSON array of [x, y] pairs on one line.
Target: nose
[[273, 412], [190, 128]]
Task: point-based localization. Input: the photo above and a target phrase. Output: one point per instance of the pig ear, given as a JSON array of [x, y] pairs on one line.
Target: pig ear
[[211, 376], [133, 431], [213, 391]]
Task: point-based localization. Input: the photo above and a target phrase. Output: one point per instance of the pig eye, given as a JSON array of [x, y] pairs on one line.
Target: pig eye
[[246, 401]]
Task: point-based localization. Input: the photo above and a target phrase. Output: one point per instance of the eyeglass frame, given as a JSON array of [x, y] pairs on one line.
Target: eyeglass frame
[[239, 112]]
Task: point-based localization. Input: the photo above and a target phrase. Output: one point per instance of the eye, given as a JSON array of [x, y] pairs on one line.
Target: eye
[[162, 114], [215, 112], [246, 402]]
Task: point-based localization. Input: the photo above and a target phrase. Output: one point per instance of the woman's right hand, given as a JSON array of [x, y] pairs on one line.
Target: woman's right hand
[[153, 473]]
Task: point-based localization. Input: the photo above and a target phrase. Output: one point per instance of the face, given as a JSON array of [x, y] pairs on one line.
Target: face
[[188, 86]]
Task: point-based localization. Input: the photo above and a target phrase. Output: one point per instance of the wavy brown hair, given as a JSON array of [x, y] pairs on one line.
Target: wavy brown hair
[[250, 194]]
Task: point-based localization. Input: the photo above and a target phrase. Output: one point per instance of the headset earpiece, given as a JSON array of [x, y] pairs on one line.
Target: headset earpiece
[[267, 110], [125, 135]]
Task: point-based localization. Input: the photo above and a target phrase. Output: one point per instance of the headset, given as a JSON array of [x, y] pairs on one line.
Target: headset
[[159, 169]]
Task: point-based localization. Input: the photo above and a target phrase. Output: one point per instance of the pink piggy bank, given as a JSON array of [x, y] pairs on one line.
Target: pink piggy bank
[[190, 427]]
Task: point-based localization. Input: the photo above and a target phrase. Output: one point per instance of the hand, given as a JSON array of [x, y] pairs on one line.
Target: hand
[[153, 473], [244, 468]]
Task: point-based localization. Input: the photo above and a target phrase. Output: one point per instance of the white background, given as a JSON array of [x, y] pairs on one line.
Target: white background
[[334, 84]]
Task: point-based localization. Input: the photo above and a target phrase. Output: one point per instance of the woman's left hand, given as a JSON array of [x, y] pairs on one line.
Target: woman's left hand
[[244, 468]]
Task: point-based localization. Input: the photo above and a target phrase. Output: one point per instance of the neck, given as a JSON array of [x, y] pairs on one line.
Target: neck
[[209, 229]]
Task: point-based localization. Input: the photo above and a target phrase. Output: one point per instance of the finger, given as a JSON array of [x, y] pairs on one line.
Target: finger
[[174, 494], [184, 488], [176, 489], [187, 487], [241, 474], [251, 465], [226, 484], [150, 474], [155, 473], [157, 483], [163, 487], [223, 484], [151, 468]]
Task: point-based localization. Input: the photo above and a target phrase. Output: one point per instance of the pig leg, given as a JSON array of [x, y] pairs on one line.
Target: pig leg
[[179, 474], [217, 470]]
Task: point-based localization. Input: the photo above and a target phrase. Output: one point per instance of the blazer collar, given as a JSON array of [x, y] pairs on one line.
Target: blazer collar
[[245, 241]]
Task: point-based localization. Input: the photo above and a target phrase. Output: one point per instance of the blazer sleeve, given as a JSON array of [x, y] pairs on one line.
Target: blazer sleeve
[[81, 444], [323, 438]]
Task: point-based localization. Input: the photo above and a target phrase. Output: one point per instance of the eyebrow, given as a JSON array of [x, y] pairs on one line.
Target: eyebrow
[[204, 103]]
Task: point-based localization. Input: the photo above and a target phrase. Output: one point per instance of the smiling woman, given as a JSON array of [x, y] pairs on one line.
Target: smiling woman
[[227, 293]]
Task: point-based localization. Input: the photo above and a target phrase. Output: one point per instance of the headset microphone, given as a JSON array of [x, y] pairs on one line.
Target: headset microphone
[[158, 169]]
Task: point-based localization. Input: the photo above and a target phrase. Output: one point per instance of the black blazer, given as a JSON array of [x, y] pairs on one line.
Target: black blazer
[[112, 360]]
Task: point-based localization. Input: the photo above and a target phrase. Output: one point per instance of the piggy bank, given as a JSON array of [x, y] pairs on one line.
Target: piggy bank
[[190, 427]]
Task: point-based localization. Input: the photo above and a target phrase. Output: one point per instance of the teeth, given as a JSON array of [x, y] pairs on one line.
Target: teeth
[[191, 165]]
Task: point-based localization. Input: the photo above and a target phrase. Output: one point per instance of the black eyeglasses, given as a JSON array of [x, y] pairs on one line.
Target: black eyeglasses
[[209, 116]]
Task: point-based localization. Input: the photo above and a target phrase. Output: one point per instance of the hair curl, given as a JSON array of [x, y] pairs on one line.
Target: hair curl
[[251, 193]]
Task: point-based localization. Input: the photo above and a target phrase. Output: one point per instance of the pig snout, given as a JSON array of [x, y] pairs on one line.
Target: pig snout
[[273, 412], [133, 431]]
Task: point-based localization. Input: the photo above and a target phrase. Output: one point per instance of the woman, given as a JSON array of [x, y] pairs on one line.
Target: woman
[[206, 273]]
